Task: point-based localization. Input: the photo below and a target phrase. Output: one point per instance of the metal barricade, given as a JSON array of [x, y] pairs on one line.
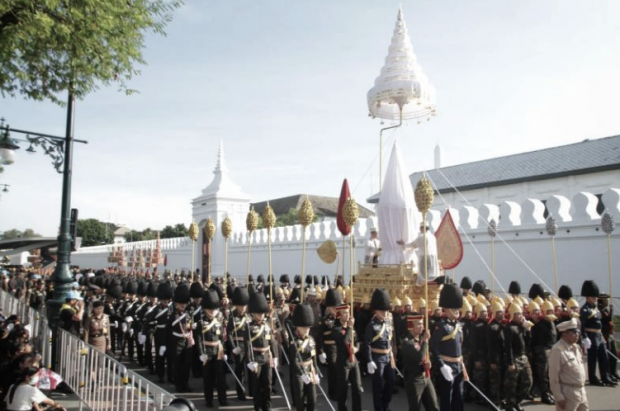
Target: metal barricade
[[101, 382]]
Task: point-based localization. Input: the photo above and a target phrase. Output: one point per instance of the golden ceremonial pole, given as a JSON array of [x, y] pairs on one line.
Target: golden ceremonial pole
[[305, 215], [492, 230], [210, 232], [193, 235], [552, 229], [226, 232], [350, 214], [251, 223], [608, 226], [269, 221], [424, 196]]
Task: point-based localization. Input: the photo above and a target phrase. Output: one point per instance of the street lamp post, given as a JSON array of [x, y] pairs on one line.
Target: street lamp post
[[61, 151]]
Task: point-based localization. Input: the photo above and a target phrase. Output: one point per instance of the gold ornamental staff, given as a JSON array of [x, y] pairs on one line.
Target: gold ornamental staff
[[350, 214], [210, 232], [424, 196], [492, 231], [226, 232], [251, 223], [305, 215], [608, 226], [269, 221], [193, 235], [552, 229]]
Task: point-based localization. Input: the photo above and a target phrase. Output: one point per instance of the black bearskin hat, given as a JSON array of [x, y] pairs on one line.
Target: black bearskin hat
[[332, 298], [514, 288], [164, 291], [260, 278], [466, 283], [258, 304], [536, 290], [309, 279], [151, 289], [218, 289], [479, 287], [380, 300], [181, 294], [284, 278], [303, 316], [142, 287], [131, 288], [297, 279], [590, 289], [250, 279], [240, 296], [451, 297], [565, 292], [115, 291], [196, 290], [210, 300]]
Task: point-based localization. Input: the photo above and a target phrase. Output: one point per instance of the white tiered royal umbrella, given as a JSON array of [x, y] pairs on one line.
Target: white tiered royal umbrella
[[402, 91]]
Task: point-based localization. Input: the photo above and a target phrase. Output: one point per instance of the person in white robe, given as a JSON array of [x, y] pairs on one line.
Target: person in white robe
[[373, 248], [432, 261]]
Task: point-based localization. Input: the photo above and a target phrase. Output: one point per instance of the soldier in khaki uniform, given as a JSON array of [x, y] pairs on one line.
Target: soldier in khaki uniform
[[567, 377]]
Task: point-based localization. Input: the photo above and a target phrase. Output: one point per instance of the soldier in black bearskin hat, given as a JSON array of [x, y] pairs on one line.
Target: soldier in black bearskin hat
[[261, 352], [347, 366], [445, 345], [180, 338], [157, 321], [325, 340], [591, 327], [303, 365], [113, 293], [194, 309], [140, 308], [236, 330], [211, 347], [378, 347], [148, 329]]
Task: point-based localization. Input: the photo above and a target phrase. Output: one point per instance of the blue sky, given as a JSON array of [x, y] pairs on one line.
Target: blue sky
[[284, 85]]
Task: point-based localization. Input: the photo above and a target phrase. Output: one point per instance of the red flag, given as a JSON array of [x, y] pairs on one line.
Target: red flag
[[344, 196]]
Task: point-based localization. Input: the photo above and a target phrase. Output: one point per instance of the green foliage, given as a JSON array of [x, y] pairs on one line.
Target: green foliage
[[95, 232], [51, 46], [291, 218], [179, 230], [144, 235], [14, 234]]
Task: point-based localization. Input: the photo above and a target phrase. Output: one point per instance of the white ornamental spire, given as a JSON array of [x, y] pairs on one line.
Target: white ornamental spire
[[402, 85], [222, 185]]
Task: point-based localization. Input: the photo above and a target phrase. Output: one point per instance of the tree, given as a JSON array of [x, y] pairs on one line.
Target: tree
[[290, 218], [14, 234], [95, 232], [51, 46], [179, 230]]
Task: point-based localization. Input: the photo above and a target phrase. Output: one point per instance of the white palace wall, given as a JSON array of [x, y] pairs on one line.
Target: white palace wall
[[522, 248]]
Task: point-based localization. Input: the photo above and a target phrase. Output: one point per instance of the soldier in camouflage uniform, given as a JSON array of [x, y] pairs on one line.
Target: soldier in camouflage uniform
[[518, 379]]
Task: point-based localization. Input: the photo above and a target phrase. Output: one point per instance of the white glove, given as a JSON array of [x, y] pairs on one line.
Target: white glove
[[275, 362], [371, 367], [225, 357], [587, 343], [317, 379], [124, 327], [446, 371], [194, 326], [162, 350], [252, 366], [236, 350], [128, 320], [141, 338], [115, 324], [203, 358], [305, 378], [131, 332], [323, 358]]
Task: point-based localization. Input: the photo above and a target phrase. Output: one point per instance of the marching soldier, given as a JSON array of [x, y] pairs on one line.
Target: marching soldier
[[149, 326], [97, 328], [347, 366], [607, 321], [495, 346], [592, 331], [479, 350], [445, 345], [180, 339], [326, 345], [261, 346], [544, 336], [378, 347], [211, 341], [113, 293], [158, 320], [414, 346], [236, 331], [141, 307], [127, 312], [194, 309], [518, 379], [303, 365]]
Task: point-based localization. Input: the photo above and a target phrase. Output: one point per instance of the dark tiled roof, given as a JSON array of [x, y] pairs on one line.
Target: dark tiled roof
[[588, 156], [323, 206]]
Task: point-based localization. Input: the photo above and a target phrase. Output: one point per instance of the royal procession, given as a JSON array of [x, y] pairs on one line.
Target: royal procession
[[390, 316]]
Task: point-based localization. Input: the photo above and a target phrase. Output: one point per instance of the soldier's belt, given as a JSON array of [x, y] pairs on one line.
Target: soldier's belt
[[212, 343], [261, 349], [451, 359], [327, 332], [161, 326], [593, 330], [181, 335], [381, 351], [329, 342], [305, 363]]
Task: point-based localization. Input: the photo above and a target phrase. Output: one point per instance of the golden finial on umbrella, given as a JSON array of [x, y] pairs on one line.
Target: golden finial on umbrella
[[305, 215], [226, 227], [251, 223], [210, 232], [424, 195], [269, 221], [226, 232], [193, 235], [350, 212]]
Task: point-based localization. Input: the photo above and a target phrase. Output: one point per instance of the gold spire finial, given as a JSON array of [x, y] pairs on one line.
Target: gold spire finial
[[306, 213], [424, 195], [269, 217], [226, 227], [193, 231], [251, 221], [350, 212], [210, 228]]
